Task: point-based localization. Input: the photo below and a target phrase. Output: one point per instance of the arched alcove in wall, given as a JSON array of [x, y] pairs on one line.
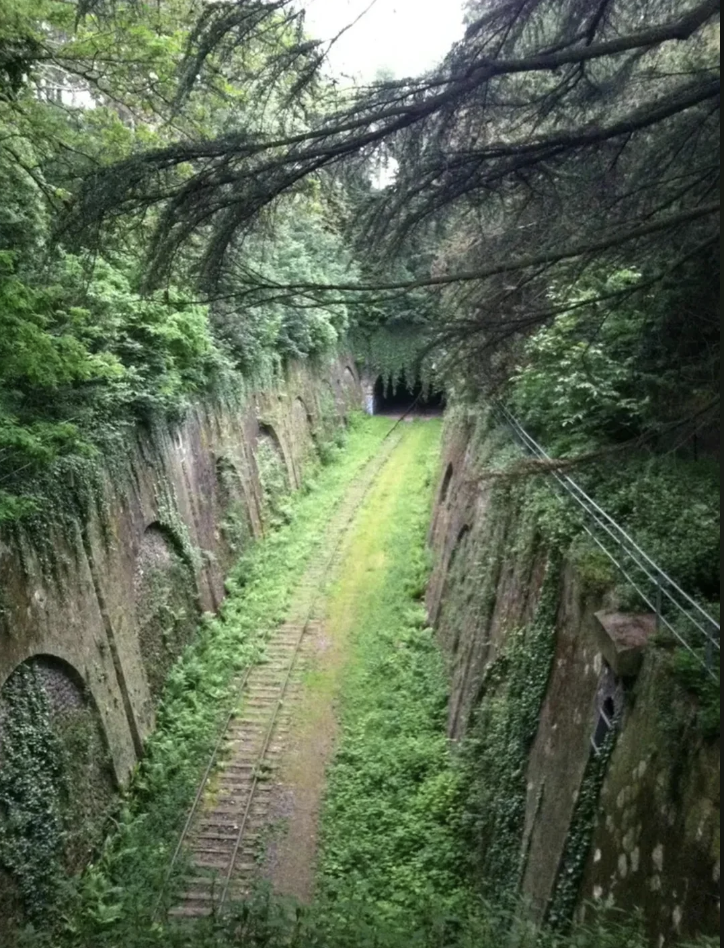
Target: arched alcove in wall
[[456, 578], [349, 376], [460, 543], [271, 465], [446, 482], [304, 435], [166, 602], [235, 521], [301, 414], [453, 594], [57, 783]]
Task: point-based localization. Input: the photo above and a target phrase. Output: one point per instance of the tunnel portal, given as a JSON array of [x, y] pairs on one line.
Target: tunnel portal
[[398, 397]]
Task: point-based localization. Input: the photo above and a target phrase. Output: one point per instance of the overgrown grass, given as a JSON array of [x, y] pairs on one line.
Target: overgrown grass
[[389, 838], [270, 923]]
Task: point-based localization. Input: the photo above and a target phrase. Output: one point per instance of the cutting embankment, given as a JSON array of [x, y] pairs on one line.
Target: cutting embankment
[[117, 900], [362, 841]]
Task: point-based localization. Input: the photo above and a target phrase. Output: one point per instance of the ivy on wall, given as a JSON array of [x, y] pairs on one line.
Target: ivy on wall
[[580, 834], [394, 351], [167, 616], [273, 477], [88, 786], [56, 788], [173, 524], [495, 754], [236, 523], [31, 788]]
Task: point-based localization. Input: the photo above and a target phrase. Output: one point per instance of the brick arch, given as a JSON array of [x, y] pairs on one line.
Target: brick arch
[[169, 536], [76, 720], [67, 687], [269, 434], [274, 466], [301, 405], [65, 658], [462, 535], [304, 438], [238, 517], [100, 684], [267, 430]]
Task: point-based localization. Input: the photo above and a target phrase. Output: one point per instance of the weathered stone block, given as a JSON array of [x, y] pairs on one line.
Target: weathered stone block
[[622, 638]]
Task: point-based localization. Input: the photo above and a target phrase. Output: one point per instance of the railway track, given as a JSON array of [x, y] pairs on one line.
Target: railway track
[[224, 831]]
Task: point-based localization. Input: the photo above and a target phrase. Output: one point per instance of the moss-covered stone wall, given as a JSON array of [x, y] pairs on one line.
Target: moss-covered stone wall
[[561, 809], [114, 590]]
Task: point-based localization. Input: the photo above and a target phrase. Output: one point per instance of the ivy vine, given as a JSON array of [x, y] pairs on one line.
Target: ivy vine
[[495, 755], [394, 351], [31, 792], [580, 834]]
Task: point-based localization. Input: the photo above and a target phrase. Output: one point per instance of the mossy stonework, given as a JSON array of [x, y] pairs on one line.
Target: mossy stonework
[[656, 834], [166, 604], [51, 744], [627, 815], [175, 513]]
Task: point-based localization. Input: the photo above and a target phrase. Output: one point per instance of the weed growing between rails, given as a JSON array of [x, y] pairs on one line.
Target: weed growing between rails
[[113, 902]]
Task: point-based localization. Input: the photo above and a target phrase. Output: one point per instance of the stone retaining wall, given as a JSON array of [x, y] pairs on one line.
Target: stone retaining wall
[[179, 487], [649, 840]]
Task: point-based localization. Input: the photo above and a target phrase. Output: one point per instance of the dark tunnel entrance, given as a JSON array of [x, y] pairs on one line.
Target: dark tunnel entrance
[[396, 398]]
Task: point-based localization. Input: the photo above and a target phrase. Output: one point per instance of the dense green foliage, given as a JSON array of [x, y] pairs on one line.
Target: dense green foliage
[[495, 754], [548, 237], [603, 373], [389, 837], [31, 791], [48, 828], [84, 352], [395, 867]]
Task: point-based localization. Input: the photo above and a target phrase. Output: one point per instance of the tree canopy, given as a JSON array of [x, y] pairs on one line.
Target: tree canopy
[[557, 140], [558, 172], [86, 353]]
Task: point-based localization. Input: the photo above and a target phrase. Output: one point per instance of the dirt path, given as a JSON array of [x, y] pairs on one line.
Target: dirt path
[[299, 791]]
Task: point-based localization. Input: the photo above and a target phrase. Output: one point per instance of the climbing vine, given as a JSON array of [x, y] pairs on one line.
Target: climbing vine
[[495, 754], [31, 789], [167, 617], [86, 762], [170, 519], [567, 889], [394, 351], [273, 477], [236, 525]]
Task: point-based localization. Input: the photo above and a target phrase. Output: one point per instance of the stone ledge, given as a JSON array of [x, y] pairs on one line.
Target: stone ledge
[[622, 638]]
